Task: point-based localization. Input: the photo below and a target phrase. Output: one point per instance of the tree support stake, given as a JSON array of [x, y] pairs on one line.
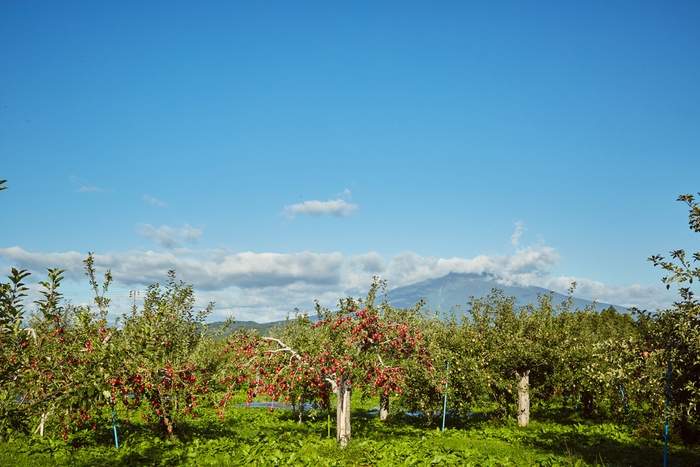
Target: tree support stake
[[444, 402], [114, 424], [668, 396], [624, 399]]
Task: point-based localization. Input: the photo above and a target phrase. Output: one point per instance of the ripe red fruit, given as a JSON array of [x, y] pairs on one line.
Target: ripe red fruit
[[126, 421]]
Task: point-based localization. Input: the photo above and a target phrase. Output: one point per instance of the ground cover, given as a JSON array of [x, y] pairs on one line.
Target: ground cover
[[257, 437]]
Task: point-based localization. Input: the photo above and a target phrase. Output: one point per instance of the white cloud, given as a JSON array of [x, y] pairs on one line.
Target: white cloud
[[71, 261], [266, 286], [85, 187], [89, 189], [335, 207], [153, 201], [205, 269], [169, 237], [528, 264], [519, 229], [191, 234], [163, 235]]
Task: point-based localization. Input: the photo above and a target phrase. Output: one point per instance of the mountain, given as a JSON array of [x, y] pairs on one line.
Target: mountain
[[456, 289], [441, 295]]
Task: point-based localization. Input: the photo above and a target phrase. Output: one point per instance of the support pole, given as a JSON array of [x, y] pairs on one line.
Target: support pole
[[624, 399], [114, 424], [668, 396]]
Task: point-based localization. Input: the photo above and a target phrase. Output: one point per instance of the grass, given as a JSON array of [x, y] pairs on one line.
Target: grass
[[256, 437]]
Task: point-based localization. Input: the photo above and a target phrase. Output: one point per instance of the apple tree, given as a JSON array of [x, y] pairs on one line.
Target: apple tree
[[53, 361], [357, 346], [161, 357], [521, 347]]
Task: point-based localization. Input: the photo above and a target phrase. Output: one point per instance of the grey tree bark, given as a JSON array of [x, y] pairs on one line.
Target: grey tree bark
[[383, 407], [343, 391], [524, 398]]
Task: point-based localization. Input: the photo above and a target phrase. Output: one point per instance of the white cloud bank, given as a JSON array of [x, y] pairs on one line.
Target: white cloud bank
[[266, 286]]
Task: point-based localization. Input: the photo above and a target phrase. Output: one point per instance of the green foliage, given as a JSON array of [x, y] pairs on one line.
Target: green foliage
[[676, 332], [499, 345]]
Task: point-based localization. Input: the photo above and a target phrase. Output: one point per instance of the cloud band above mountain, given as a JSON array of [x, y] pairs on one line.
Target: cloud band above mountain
[[267, 285]]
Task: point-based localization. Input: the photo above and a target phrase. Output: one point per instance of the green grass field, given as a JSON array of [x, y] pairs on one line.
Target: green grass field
[[256, 437]]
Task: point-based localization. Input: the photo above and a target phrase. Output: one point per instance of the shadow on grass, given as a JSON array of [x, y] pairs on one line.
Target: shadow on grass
[[563, 433], [607, 445]]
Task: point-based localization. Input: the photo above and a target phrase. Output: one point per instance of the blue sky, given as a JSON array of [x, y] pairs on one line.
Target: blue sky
[[279, 152]]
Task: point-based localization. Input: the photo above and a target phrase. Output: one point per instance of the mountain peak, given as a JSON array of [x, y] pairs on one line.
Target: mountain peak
[[457, 289]]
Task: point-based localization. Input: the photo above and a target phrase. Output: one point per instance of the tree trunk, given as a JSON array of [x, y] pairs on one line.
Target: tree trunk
[[343, 391], [587, 400], [383, 407], [301, 411], [524, 398]]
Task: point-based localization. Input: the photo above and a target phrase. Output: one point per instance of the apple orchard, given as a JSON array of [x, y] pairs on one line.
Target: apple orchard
[[64, 368]]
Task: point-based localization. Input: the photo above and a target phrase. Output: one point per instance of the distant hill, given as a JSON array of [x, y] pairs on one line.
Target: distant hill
[[262, 328], [456, 289]]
